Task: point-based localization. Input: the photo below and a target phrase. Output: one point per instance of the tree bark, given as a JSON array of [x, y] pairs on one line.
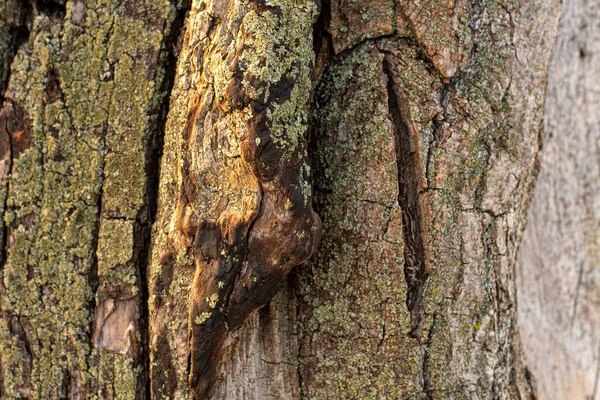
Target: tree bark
[[412, 129], [80, 121], [558, 259]]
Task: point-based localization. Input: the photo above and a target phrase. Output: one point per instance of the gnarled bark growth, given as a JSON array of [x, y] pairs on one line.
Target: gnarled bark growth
[[244, 210]]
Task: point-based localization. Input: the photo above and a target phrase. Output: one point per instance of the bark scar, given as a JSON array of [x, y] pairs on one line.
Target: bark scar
[[245, 205], [410, 185]]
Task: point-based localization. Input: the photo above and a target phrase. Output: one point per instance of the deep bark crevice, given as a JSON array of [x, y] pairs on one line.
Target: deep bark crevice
[[154, 151], [409, 187], [322, 40], [52, 8], [321, 25], [93, 277], [3, 238]]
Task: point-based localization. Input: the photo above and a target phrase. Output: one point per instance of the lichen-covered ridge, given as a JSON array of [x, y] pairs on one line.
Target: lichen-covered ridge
[[84, 96], [243, 209]]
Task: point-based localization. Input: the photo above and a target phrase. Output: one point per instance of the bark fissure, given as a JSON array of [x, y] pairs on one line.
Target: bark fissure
[[408, 168], [425, 372], [320, 32], [51, 8], [438, 128], [93, 272], [154, 150], [3, 243]]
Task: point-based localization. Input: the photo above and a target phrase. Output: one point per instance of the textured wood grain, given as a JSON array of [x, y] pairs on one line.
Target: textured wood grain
[[243, 212]]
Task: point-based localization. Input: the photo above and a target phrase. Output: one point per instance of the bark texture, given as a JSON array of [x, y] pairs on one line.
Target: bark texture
[[78, 124], [412, 128], [235, 210], [411, 294], [425, 130], [559, 259]]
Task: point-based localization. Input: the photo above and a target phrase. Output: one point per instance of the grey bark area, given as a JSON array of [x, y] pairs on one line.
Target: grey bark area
[[559, 259]]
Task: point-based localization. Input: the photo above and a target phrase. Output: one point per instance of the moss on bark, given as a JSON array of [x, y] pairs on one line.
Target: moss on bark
[[90, 81]]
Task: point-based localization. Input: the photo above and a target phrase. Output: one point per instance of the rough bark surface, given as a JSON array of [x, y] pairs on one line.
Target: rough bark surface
[[558, 286], [80, 115], [421, 121], [446, 145], [424, 141], [235, 213]]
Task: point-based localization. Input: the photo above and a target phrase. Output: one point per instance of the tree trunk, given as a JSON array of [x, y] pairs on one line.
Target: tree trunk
[[412, 129], [559, 256]]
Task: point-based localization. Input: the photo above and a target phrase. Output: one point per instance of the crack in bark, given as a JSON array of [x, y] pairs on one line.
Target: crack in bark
[[146, 218], [52, 8], [438, 128], [425, 373], [409, 187], [3, 238], [320, 32]]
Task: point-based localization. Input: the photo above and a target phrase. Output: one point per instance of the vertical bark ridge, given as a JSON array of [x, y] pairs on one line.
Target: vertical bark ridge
[[426, 376], [235, 153], [90, 77]]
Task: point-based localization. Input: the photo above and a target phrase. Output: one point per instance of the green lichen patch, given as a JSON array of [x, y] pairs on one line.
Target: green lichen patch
[[89, 106], [353, 294], [115, 253]]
